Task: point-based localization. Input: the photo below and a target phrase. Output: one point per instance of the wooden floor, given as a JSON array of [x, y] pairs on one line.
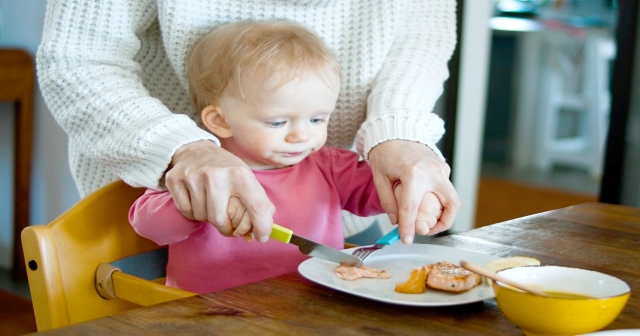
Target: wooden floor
[[498, 200], [16, 315]]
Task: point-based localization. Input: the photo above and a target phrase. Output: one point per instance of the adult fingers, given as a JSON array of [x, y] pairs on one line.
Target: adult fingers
[[180, 194], [198, 198], [217, 205], [387, 197], [408, 205]]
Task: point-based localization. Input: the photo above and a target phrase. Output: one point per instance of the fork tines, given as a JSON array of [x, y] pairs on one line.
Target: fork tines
[[364, 252]]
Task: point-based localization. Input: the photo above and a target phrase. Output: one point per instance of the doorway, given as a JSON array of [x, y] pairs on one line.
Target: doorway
[[547, 108]]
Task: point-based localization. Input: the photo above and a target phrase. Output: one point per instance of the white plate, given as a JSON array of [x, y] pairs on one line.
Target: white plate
[[398, 260], [620, 332]]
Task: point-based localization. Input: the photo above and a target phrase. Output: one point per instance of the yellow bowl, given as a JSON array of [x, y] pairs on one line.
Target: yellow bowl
[[604, 296]]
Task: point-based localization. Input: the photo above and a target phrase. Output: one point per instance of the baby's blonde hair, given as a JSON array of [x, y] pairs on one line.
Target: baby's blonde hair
[[267, 54]]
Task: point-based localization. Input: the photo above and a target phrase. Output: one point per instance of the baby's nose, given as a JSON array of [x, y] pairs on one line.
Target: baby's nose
[[298, 134]]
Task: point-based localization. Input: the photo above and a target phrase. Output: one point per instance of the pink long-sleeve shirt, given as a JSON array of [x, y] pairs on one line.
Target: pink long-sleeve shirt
[[308, 197]]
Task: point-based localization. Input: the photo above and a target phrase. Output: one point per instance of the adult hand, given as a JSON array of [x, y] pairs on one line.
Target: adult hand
[[420, 171], [202, 179]]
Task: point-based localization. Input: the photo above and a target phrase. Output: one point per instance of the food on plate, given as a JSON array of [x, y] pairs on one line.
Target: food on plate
[[417, 283], [452, 278], [441, 275], [352, 273], [504, 263]]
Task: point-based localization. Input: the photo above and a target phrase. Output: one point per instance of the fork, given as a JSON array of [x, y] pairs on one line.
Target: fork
[[388, 239]]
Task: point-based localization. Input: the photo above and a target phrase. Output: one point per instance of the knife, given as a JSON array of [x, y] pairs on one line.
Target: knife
[[314, 249]]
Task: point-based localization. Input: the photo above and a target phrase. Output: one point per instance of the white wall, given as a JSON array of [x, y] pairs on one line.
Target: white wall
[[474, 66], [53, 190]]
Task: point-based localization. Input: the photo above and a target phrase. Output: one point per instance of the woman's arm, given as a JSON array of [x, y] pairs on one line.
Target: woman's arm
[[400, 108], [92, 83], [410, 82]]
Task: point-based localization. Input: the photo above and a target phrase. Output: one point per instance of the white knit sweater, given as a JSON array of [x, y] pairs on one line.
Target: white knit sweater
[[113, 74]]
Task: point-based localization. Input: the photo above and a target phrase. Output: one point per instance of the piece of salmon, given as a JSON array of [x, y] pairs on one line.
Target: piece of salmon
[[452, 278], [352, 273]]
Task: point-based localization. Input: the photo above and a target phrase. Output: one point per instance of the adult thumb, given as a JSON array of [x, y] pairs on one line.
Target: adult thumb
[[388, 200]]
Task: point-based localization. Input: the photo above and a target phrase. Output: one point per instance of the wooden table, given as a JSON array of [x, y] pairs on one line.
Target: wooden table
[[595, 236], [17, 83]]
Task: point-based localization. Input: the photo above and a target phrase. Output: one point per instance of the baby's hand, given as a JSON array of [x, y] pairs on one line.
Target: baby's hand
[[240, 220], [429, 211]]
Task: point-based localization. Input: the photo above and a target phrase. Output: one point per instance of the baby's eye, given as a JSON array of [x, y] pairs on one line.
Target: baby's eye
[[317, 120], [276, 123]]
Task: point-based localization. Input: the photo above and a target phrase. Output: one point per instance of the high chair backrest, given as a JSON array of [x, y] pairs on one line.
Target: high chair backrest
[[62, 257]]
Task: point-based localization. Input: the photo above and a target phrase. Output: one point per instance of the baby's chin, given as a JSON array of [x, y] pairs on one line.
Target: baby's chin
[[278, 160], [285, 161], [288, 162], [274, 164]]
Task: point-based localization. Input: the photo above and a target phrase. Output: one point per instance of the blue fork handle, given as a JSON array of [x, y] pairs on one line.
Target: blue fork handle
[[390, 237]]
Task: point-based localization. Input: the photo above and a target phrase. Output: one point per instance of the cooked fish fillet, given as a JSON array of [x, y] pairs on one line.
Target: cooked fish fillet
[[352, 273], [453, 278]]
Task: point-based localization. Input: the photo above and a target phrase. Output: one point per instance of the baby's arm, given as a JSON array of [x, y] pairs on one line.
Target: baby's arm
[[155, 216], [429, 211]]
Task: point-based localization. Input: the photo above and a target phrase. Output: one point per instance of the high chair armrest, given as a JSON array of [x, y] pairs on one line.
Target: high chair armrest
[[134, 289]]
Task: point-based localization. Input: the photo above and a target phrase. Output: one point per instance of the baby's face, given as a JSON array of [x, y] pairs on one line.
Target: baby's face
[[285, 127]]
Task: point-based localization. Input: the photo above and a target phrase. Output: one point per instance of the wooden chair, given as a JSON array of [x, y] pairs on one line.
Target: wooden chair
[[67, 262]]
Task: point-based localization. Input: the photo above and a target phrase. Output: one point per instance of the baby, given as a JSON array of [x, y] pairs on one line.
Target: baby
[[267, 91]]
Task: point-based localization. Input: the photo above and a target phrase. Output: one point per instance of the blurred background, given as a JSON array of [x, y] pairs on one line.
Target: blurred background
[[548, 105], [527, 112]]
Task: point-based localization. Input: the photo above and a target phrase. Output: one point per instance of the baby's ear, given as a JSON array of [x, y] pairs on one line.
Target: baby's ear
[[213, 119]]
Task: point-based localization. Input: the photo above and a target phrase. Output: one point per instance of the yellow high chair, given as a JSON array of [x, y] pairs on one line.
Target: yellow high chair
[[67, 261]]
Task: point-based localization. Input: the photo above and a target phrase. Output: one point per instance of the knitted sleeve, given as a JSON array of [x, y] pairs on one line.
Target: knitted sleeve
[[91, 81], [406, 89]]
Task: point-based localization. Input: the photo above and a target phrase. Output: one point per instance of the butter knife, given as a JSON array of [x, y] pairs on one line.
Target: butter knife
[[313, 249]]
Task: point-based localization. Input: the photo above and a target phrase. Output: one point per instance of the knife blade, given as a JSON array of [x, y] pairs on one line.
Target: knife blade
[[312, 248]]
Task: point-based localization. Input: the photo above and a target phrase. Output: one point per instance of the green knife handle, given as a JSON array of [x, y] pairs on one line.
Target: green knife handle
[[281, 233]]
